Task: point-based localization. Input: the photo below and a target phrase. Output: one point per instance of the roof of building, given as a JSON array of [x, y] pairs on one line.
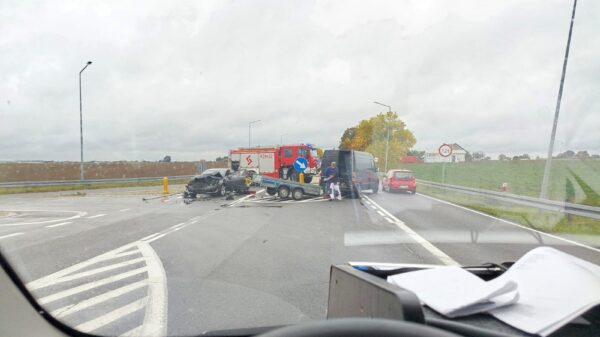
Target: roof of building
[[455, 146]]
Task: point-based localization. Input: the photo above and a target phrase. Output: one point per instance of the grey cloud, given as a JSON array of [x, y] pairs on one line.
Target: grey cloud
[[185, 78]]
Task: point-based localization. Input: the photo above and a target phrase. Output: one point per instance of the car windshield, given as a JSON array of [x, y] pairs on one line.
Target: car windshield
[[111, 112], [212, 172], [403, 175]]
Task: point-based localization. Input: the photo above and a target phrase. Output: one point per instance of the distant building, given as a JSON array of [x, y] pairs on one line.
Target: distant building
[[411, 160], [459, 155]]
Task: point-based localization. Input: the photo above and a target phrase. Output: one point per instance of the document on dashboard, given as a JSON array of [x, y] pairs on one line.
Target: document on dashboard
[[541, 292], [453, 291]]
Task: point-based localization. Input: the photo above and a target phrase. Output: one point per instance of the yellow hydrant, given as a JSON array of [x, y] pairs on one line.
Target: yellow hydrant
[[301, 178], [165, 185]]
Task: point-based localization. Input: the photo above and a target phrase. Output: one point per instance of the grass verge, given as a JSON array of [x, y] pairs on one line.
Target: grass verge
[[59, 188], [546, 221]]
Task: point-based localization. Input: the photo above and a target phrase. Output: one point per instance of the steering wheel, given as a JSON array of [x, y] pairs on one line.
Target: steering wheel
[[359, 327]]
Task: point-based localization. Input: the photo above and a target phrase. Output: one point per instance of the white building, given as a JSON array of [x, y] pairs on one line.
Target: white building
[[458, 155]]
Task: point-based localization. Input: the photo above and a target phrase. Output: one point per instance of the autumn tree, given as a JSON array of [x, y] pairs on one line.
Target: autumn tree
[[371, 135]]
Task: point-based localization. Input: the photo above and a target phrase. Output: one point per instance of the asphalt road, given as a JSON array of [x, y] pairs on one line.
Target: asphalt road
[[111, 264]]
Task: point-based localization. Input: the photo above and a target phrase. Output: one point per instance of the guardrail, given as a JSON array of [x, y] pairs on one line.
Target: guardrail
[[550, 205], [85, 182]]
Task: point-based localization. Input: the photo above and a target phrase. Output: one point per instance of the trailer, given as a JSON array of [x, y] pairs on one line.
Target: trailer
[[286, 188]]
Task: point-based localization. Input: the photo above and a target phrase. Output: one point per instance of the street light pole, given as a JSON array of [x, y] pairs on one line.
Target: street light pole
[[281, 141], [81, 122], [544, 189], [387, 143], [249, 127]]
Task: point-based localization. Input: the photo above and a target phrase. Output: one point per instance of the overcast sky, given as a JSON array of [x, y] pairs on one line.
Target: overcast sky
[[185, 78]]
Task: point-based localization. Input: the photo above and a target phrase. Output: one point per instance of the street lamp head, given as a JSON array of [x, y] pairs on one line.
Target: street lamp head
[[89, 62]]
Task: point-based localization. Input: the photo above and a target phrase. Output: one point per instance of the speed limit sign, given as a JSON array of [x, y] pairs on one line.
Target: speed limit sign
[[445, 150]]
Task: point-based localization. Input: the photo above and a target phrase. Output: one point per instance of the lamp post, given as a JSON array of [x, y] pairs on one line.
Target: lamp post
[[249, 128], [81, 122], [544, 189], [281, 141], [387, 143]]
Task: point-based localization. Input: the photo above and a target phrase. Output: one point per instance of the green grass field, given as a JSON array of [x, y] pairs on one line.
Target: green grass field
[[524, 177], [546, 221]]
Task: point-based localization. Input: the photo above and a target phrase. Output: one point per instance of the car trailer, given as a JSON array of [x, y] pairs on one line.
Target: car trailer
[[286, 188]]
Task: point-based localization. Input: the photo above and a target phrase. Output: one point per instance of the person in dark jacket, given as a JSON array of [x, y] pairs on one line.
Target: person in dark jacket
[[332, 180]]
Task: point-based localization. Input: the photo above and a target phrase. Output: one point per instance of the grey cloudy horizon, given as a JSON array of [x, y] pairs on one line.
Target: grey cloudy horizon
[[185, 78]]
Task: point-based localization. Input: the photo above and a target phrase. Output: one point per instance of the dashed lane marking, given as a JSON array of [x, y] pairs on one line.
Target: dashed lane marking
[[124, 209], [59, 224], [95, 216], [11, 235], [439, 254]]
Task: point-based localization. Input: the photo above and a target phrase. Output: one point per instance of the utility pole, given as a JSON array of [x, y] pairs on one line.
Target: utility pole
[[387, 143], [81, 123], [547, 168]]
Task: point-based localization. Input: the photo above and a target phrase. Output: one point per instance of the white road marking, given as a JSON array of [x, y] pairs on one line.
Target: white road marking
[[373, 207], [154, 301], [131, 252], [512, 223], [67, 310], [155, 317], [41, 282], [79, 214], [149, 236], [11, 235], [112, 316], [156, 238], [59, 224], [95, 216], [133, 332], [416, 237], [193, 222], [389, 220], [124, 209], [244, 198], [381, 213], [90, 285], [95, 271]]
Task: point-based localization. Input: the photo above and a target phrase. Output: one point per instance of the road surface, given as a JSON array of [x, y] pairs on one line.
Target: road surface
[[111, 264]]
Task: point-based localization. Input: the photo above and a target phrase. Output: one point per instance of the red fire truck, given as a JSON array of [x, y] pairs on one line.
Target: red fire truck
[[276, 161]]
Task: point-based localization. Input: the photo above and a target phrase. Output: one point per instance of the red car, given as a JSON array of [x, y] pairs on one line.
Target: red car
[[400, 180]]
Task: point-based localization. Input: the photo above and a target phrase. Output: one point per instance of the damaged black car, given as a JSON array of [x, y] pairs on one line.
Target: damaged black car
[[217, 181]]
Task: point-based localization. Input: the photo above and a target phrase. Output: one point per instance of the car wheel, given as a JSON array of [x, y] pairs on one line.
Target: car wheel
[[223, 190], [375, 188], [283, 192], [271, 191], [297, 193]]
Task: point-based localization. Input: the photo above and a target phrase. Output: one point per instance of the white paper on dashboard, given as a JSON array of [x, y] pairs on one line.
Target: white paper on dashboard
[[453, 291], [554, 289]]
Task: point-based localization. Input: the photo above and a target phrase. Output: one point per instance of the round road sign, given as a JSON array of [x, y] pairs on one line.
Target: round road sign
[[300, 164], [445, 150]]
